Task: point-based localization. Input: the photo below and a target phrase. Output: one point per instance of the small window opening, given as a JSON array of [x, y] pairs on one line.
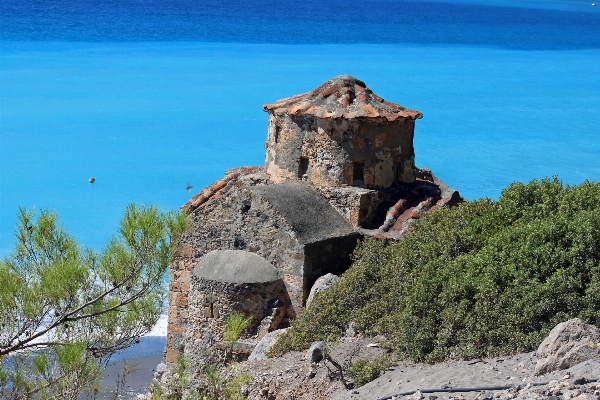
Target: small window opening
[[359, 173], [303, 167], [277, 131], [399, 171]]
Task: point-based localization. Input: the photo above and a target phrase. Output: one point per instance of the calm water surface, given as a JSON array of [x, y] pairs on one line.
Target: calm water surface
[[147, 96]]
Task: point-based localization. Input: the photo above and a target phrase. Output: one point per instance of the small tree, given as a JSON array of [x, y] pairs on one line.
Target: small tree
[[64, 309]]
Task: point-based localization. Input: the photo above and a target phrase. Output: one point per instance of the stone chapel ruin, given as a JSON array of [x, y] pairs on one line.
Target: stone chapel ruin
[[339, 166]]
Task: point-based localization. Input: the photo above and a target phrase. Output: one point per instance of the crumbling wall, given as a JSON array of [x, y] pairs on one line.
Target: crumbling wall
[[211, 302], [369, 152], [357, 205], [237, 220]]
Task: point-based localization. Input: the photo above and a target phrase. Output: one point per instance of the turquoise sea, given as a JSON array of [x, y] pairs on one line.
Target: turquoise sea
[[147, 96]]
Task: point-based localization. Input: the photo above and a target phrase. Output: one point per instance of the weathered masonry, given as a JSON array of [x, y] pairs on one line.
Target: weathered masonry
[[341, 133], [339, 166]]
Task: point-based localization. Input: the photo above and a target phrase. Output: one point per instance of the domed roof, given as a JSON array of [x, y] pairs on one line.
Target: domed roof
[[235, 266], [342, 97]]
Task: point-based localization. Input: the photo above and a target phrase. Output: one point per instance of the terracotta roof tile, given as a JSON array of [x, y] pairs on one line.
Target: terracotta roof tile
[[343, 96]]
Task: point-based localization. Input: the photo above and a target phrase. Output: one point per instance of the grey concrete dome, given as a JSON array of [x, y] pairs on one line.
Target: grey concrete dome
[[235, 266]]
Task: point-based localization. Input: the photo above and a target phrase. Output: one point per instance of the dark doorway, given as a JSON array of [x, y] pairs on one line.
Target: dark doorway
[[303, 167]]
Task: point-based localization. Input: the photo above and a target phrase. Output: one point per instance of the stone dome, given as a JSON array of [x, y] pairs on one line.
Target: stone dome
[[235, 266]]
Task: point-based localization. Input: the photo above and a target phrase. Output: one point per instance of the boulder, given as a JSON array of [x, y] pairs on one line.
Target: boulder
[[160, 370], [316, 352], [321, 284], [569, 343], [265, 344]]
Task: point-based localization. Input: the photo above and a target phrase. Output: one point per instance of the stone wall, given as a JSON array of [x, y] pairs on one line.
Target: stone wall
[[357, 205], [242, 219], [211, 302], [234, 221], [330, 152], [327, 256]]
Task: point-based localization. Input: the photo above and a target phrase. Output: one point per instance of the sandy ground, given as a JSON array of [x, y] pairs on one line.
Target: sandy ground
[[142, 360], [501, 371], [135, 382], [291, 377]]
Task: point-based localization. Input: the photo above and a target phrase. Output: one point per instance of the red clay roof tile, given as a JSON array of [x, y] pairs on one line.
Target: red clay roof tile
[[343, 96]]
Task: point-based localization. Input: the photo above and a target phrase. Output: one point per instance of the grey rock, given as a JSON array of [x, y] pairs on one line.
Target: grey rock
[[486, 396], [160, 370], [417, 395], [350, 331], [265, 344], [568, 344], [316, 352], [321, 284], [569, 394]]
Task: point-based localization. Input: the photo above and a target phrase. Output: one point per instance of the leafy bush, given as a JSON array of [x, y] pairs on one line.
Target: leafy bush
[[363, 371], [481, 279]]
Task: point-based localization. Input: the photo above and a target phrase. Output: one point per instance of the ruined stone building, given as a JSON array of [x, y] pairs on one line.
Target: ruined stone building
[[339, 165], [341, 133]]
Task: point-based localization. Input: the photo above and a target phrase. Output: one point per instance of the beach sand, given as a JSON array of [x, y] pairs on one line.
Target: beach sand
[[142, 358], [135, 382]]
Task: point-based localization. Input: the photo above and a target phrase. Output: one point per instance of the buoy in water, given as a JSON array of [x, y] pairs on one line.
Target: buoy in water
[[92, 180]]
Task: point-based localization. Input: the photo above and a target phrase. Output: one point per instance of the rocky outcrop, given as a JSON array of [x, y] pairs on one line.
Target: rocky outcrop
[[568, 344], [570, 386], [321, 284], [265, 344]]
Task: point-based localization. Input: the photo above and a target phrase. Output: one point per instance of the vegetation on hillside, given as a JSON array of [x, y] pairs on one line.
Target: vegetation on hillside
[[481, 279]]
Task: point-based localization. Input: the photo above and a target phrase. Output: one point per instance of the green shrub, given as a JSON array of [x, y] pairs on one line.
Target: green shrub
[[236, 323], [232, 390], [481, 279], [363, 371]]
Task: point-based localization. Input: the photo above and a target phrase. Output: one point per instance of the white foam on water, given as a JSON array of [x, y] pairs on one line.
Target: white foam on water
[[160, 329]]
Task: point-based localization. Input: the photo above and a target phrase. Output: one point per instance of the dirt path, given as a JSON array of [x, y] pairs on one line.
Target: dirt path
[[291, 377]]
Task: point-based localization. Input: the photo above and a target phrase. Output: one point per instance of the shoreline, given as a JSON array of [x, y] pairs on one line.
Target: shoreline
[[136, 381], [142, 358]]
